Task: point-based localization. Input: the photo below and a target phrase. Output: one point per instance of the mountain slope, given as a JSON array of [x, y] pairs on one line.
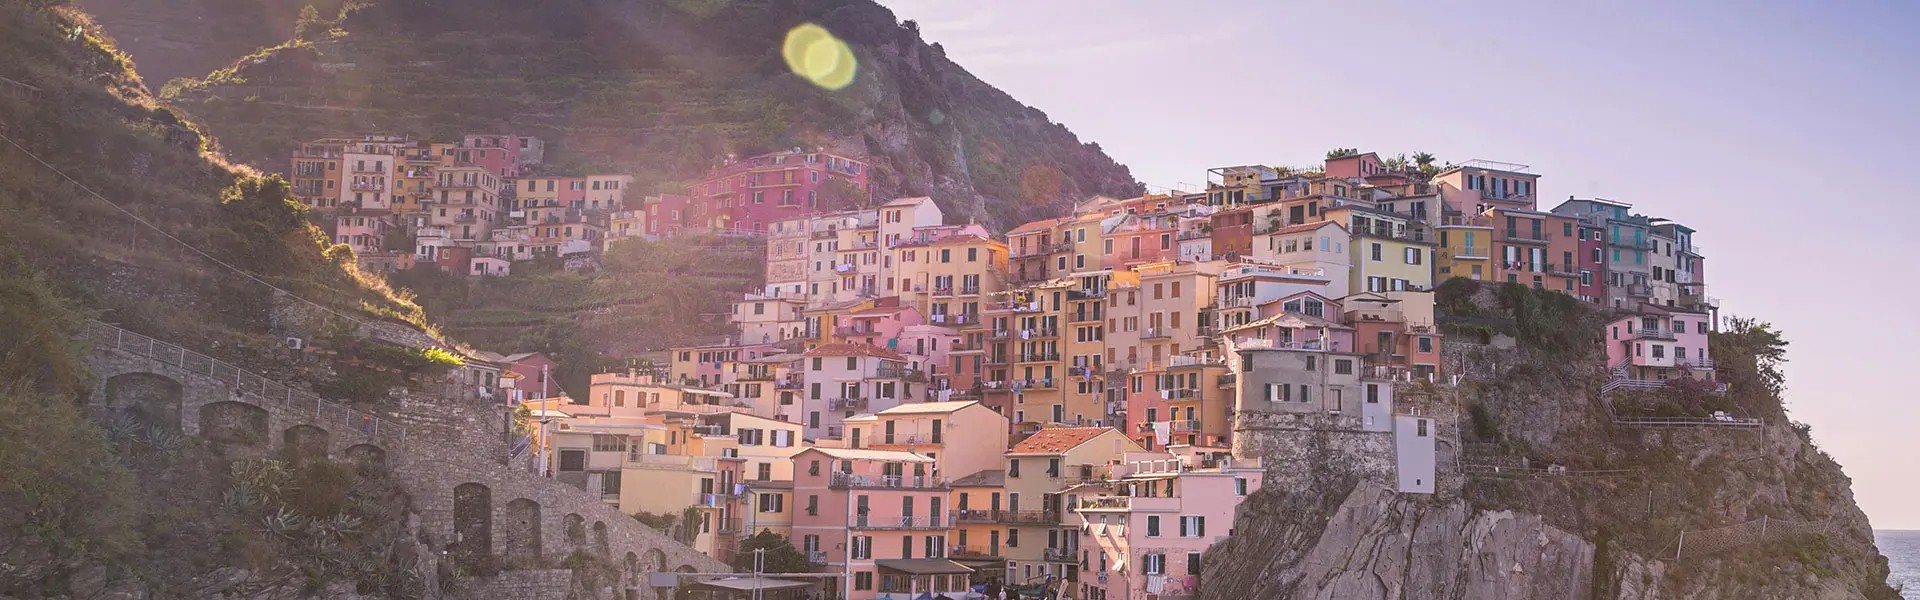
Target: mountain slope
[[660, 88], [1609, 527]]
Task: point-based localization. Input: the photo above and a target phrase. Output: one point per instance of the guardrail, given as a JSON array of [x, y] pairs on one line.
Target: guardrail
[[270, 392]]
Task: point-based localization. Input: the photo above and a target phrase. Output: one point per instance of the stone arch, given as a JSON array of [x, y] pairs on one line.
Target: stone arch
[[234, 424], [631, 569], [303, 443], [473, 526], [147, 398], [523, 532], [576, 529], [367, 458], [600, 538], [685, 569], [656, 561]]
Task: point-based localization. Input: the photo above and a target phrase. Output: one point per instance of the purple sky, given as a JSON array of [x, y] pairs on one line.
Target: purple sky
[[1760, 125]]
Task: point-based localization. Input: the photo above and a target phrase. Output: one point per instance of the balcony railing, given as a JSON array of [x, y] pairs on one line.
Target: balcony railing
[[847, 404], [816, 558], [1152, 333], [972, 552], [1039, 357], [1107, 503], [903, 522], [850, 480], [1038, 332], [1640, 290], [1187, 426], [1061, 555], [1655, 333], [1470, 252], [905, 440], [1537, 237]]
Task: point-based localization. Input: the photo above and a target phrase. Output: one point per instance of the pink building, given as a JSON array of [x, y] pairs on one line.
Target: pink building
[[878, 518], [1142, 534], [748, 195], [1660, 344], [878, 326], [1591, 263], [499, 154], [1358, 165]]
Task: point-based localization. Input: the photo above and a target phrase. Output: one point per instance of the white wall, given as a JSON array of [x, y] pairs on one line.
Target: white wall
[[1414, 453]]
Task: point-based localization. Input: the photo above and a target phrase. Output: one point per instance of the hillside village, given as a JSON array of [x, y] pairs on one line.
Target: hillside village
[[920, 406]]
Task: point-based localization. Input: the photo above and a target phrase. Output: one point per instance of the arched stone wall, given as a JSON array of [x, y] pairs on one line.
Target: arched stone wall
[[367, 458], [236, 426], [149, 399], [300, 444], [576, 530], [473, 524], [600, 538], [522, 534]]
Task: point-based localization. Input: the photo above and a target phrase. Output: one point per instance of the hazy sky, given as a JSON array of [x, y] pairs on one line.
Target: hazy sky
[[1778, 130]]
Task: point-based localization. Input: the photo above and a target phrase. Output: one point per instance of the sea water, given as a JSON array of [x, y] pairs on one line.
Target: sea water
[[1902, 549]]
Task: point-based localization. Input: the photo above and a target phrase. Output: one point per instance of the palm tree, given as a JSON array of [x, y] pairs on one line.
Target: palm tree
[[1341, 153], [1423, 159], [1397, 163]]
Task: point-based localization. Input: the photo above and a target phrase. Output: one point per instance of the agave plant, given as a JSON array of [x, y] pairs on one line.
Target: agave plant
[[284, 523]]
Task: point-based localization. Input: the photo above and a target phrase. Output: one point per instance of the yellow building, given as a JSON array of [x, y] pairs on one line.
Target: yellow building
[[1466, 248], [1389, 252], [1039, 469], [978, 535], [949, 279]]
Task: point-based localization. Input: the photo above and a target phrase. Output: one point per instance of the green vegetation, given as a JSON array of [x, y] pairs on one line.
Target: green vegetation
[[780, 556], [644, 296], [617, 91]]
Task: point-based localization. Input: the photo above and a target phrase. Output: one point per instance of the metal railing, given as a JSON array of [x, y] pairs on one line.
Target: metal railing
[[902, 522], [246, 383], [850, 480], [1060, 555]]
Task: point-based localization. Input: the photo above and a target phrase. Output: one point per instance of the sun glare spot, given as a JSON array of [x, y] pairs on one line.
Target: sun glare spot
[[814, 53]]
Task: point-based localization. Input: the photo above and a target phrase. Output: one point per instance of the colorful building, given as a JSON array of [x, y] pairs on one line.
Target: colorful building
[[878, 518], [1145, 533]]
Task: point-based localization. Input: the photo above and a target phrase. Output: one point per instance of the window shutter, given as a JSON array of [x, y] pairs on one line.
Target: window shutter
[[1183, 526], [1200, 526]]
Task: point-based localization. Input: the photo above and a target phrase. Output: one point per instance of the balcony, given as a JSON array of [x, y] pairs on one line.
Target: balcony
[[902, 522], [672, 461], [942, 292], [1471, 252], [755, 375], [1186, 426], [1639, 290], [847, 404], [1065, 555], [789, 385], [972, 552], [1038, 332], [905, 440], [972, 290], [1038, 357], [1226, 380], [1532, 237], [827, 234], [465, 218], [897, 482], [999, 334], [816, 558], [1639, 244], [1085, 317], [1155, 333], [1179, 394], [899, 373], [1408, 234], [1655, 333], [997, 360]]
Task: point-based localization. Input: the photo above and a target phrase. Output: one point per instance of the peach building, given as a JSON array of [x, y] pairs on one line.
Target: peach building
[[1144, 533], [877, 518]]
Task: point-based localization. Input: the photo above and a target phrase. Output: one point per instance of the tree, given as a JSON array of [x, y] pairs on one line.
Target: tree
[[1341, 153], [1751, 353], [1423, 159], [309, 23], [1398, 163], [836, 193], [781, 556]]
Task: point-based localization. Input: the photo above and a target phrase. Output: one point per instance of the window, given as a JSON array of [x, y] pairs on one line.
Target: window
[[1013, 467], [1376, 252], [573, 460], [863, 580], [765, 472], [813, 506], [1193, 526], [610, 482], [1702, 326], [1153, 564], [1153, 525], [1013, 538], [1193, 563], [1420, 428], [1413, 256], [609, 443], [1426, 344], [1239, 486]]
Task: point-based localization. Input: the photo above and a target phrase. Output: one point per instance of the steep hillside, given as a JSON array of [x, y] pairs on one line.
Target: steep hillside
[[659, 88], [134, 509], [1504, 525]]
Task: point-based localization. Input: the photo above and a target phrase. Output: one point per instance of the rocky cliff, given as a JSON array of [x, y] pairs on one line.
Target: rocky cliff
[[1542, 495], [662, 89]]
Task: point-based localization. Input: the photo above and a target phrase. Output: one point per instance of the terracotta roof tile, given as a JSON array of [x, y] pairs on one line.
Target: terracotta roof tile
[[1057, 440]]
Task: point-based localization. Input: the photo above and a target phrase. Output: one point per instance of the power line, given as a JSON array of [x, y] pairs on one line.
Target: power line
[[83, 187]]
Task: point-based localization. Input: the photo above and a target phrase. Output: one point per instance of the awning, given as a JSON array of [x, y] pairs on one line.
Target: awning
[[923, 566], [746, 584]]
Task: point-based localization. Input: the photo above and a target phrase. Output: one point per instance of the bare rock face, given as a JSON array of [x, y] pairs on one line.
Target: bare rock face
[[1378, 544]]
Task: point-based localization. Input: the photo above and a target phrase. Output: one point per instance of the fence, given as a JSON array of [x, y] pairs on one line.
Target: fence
[[1693, 544], [326, 414]]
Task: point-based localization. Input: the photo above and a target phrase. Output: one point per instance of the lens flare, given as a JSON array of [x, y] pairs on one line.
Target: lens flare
[[815, 54]]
